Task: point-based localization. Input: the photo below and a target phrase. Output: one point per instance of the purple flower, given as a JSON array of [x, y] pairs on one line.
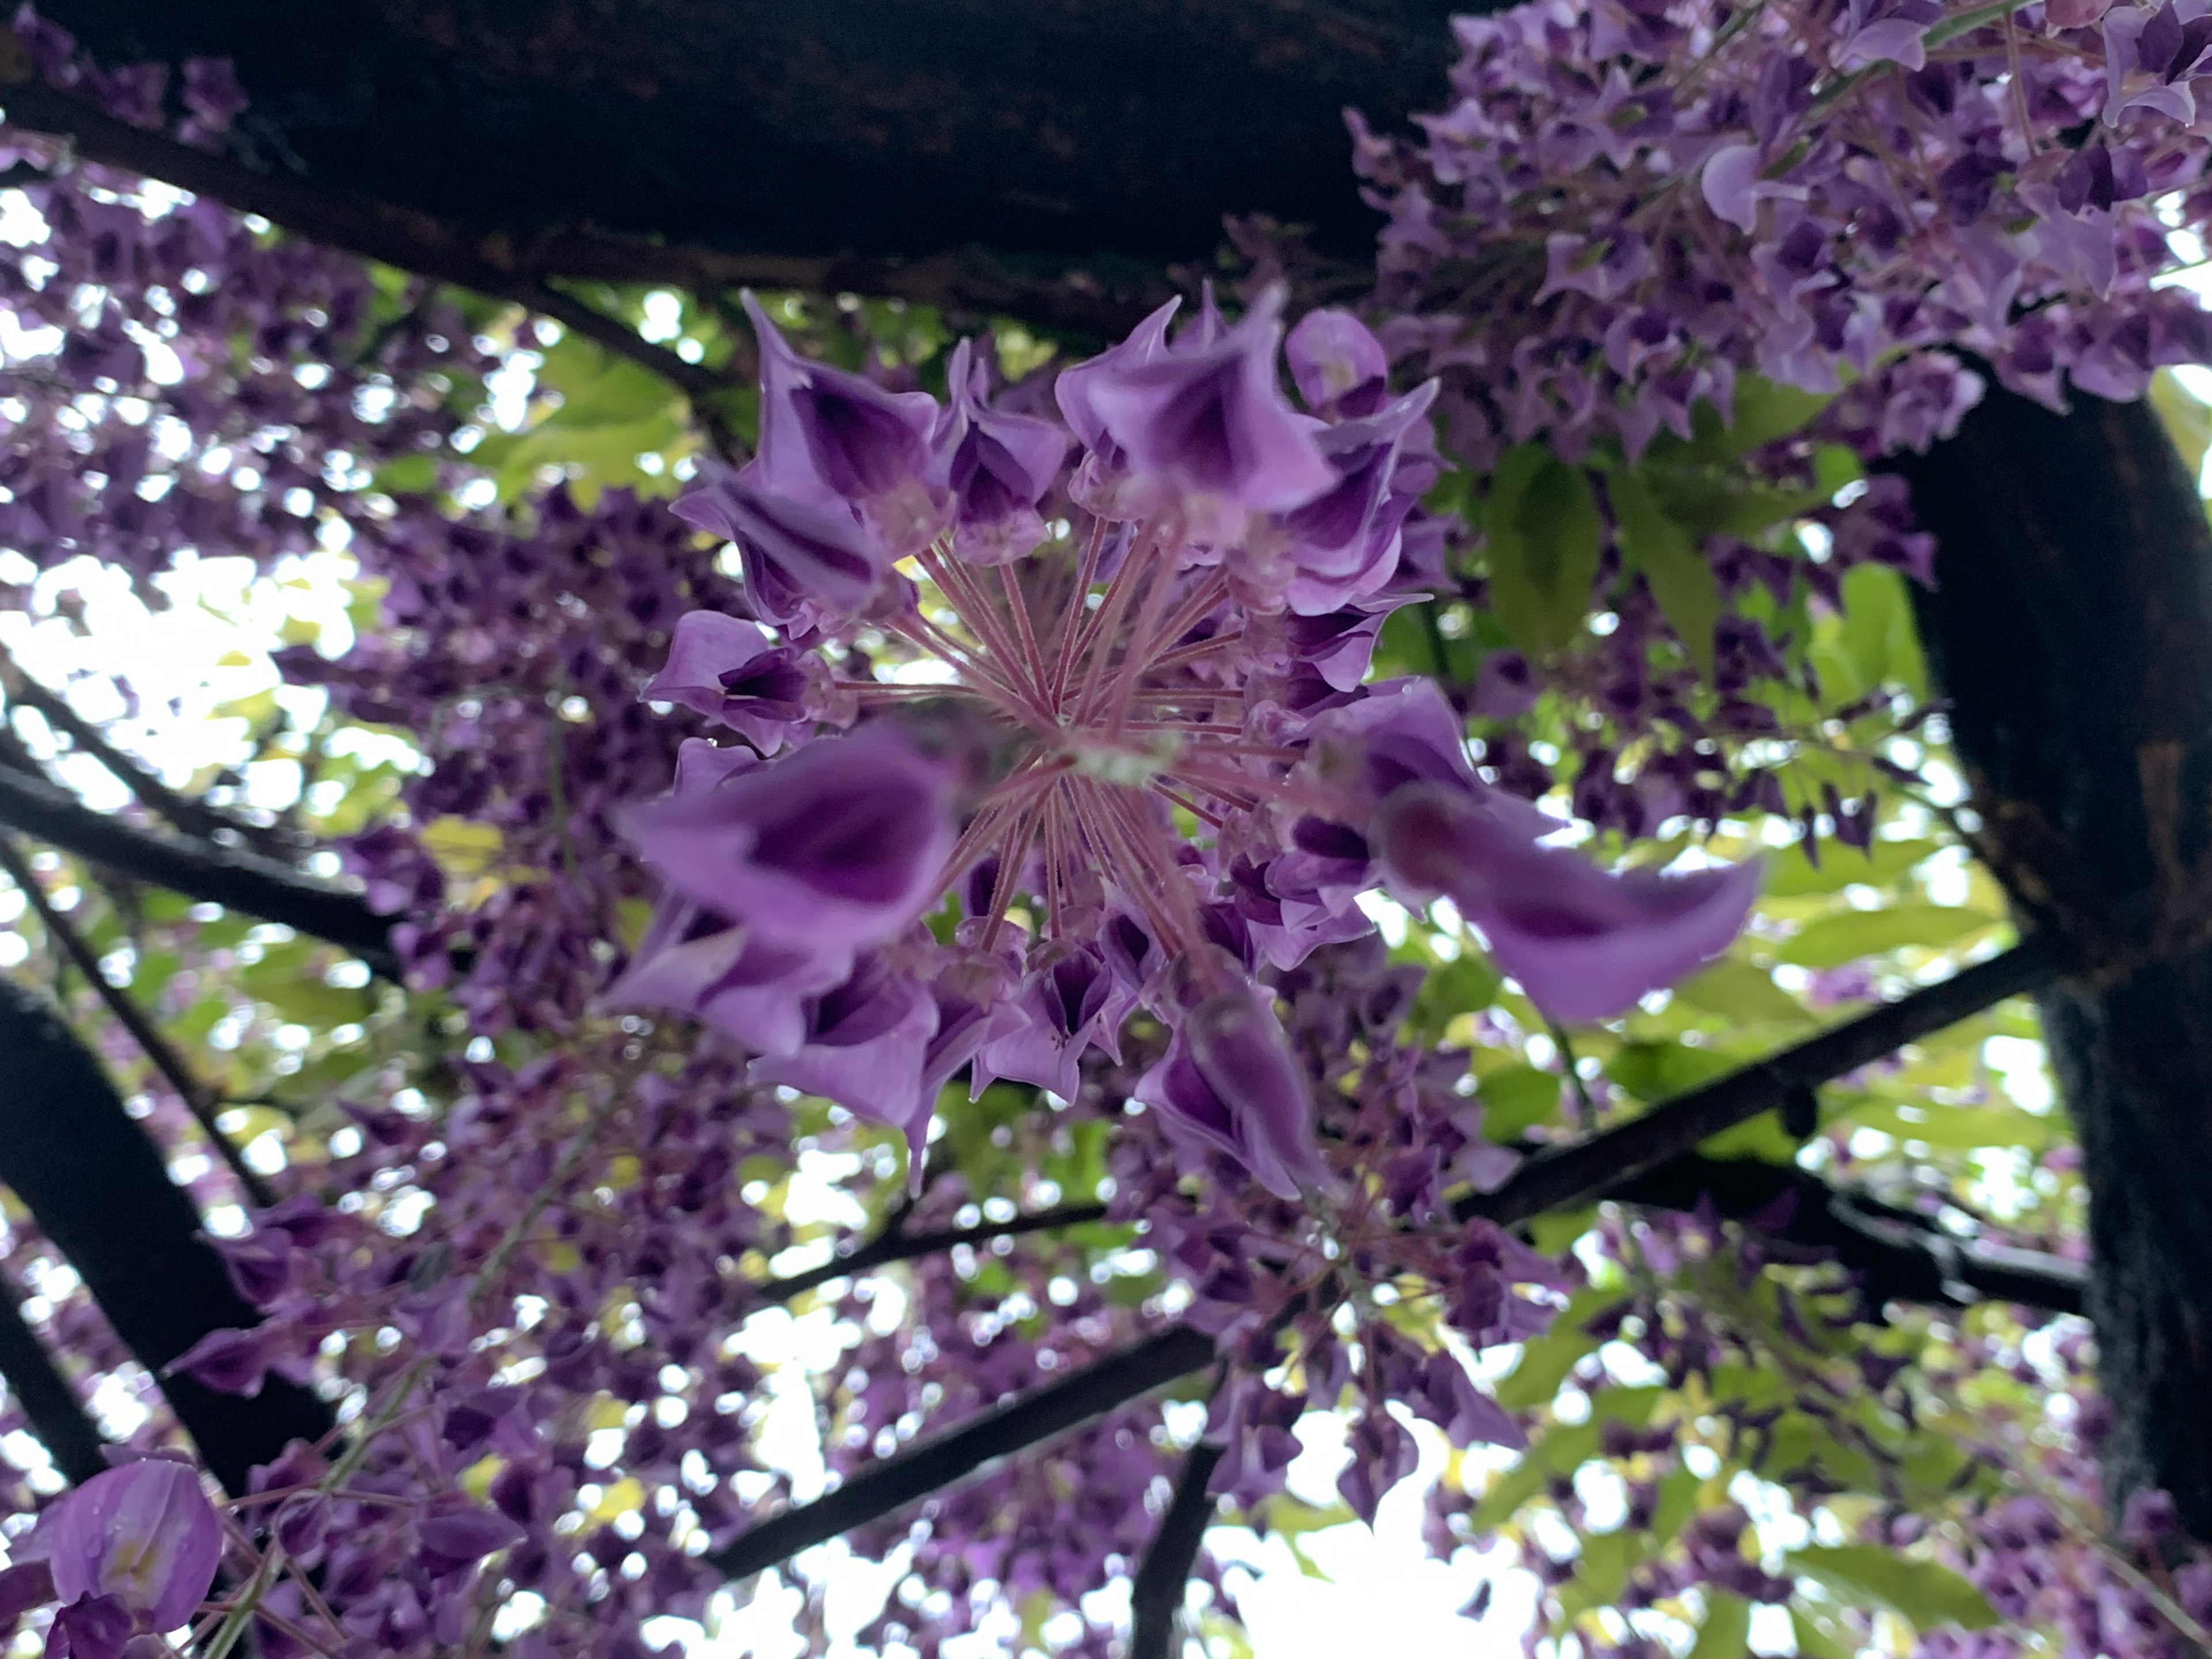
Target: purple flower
[[805, 561], [1228, 1078], [732, 671], [1584, 943], [454, 1534], [1207, 432], [825, 434], [997, 466], [868, 1047], [1078, 385], [1070, 1002], [144, 1534], [748, 988], [91, 1627], [1338, 366], [839, 845]]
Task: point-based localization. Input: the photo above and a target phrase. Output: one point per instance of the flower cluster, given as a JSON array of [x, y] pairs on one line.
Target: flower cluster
[[1629, 205], [1102, 679]]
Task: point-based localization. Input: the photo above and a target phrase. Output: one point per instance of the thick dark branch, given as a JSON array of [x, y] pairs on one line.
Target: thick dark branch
[[1026, 1420], [1157, 1597], [895, 1246], [96, 1187], [1897, 1255], [232, 878], [48, 1403], [199, 1099], [495, 262], [1590, 1170]]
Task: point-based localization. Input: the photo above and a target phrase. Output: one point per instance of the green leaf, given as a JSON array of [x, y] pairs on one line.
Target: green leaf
[[1466, 985], [1835, 941], [1517, 1098], [1765, 410], [1658, 1071], [1680, 578], [1726, 1633], [1742, 993], [1543, 533], [1925, 1592], [1878, 636], [1791, 874]]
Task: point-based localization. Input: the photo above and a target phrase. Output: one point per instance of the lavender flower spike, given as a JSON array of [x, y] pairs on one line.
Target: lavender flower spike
[[143, 1533], [840, 845], [1584, 943]]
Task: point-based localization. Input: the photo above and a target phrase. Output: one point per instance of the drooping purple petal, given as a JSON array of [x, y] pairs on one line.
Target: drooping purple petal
[[834, 847], [997, 467], [867, 1048], [1585, 943], [804, 560], [1228, 1078]]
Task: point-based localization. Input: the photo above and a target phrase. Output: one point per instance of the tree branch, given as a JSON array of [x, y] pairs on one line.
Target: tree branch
[[199, 1099], [1589, 1170], [97, 1187], [1156, 1599], [893, 1245], [49, 1404], [232, 878], [1898, 1256], [1024, 1421], [194, 817], [1655, 1149]]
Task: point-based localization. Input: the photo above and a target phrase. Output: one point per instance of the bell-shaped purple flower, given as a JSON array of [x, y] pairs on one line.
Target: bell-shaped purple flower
[[726, 977], [1067, 1004], [732, 671], [1338, 366], [826, 434], [1585, 943], [996, 465], [832, 847], [1207, 434], [1077, 387], [806, 562], [1229, 1079], [143, 1533], [453, 1535], [1343, 545], [867, 1048], [91, 1627]]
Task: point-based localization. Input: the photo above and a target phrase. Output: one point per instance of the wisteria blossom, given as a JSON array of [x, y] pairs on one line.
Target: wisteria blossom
[[1169, 764]]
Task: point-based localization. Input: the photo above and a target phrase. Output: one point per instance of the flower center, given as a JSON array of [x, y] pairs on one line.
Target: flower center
[[1107, 663]]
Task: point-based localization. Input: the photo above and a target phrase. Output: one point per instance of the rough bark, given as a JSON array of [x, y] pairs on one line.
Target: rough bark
[[1056, 129], [2071, 627]]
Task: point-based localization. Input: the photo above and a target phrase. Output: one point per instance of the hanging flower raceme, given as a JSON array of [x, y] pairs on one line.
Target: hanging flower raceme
[[1103, 683]]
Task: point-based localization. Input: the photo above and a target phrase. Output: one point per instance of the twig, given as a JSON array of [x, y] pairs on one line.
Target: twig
[[200, 1100], [895, 1245], [231, 877], [193, 817], [1157, 1597], [1025, 1421]]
